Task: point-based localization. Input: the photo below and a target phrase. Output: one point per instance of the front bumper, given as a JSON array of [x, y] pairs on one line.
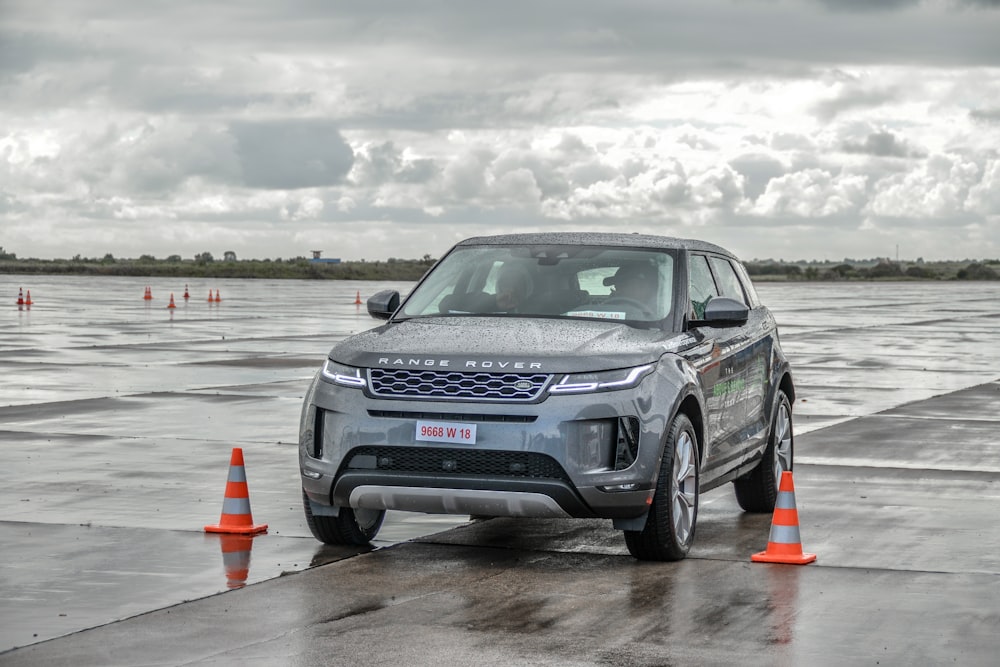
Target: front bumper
[[558, 457]]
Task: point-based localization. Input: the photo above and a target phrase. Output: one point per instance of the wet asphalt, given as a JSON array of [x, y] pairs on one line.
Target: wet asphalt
[[118, 417]]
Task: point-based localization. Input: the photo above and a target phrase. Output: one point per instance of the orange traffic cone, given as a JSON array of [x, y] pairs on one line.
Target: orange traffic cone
[[236, 559], [357, 299], [149, 293], [236, 516], [171, 304], [784, 544], [187, 295], [20, 296], [27, 300], [218, 299]]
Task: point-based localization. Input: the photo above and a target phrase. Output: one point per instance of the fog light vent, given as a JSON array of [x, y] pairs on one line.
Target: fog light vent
[[627, 447], [317, 443]]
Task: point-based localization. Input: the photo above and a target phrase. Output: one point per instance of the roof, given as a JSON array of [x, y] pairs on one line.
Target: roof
[[598, 239]]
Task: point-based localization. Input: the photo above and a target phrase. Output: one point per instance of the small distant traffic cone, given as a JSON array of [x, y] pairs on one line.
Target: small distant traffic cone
[[357, 299], [27, 300], [218, 298], [171, 304], [210, 299], [149, 293], [187, 295], [236, 559], [236, 516], [20, 296], [784, 544]]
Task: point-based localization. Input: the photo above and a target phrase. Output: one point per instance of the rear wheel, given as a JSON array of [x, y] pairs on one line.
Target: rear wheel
[[669, 529], [758, 491], [350, 526]]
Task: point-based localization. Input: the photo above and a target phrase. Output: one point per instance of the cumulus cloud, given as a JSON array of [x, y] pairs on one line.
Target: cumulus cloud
[[853, 96], [375, 164], [936, 188], [264, 125], [291, 154], [464, 178], [882, 144], [984, 197], [306, 208], [757, 170], [812, 193], [157, 157], [719, 188], [985, 115]]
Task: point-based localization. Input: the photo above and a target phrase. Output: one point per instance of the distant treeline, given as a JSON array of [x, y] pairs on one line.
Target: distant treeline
[[204, 265], [876, 270]]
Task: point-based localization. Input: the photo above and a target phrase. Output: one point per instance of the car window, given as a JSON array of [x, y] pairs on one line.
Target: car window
[[729, 283], [587, 282], [748, 287], [701, 286], [592, 280]]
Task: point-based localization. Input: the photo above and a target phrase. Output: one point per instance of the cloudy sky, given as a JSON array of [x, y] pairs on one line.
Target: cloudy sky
[[814, 129]]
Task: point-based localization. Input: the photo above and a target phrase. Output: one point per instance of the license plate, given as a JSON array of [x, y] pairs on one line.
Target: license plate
[[463, 434]]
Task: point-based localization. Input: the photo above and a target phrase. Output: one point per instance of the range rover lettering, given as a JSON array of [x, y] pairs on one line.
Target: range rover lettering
[[615, 376]]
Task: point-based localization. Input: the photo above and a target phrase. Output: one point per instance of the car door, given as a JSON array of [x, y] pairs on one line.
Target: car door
[[720, 364], [763, 333], [750, 348]]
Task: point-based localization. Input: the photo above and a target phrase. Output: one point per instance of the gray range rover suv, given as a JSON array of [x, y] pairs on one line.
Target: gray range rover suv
[[616, 376]]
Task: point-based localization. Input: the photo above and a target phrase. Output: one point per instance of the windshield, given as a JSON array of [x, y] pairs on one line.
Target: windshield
[[593, 282]]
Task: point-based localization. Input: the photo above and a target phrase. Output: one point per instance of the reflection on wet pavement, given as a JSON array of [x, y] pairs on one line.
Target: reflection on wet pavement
[[118, 416], [861, 348]]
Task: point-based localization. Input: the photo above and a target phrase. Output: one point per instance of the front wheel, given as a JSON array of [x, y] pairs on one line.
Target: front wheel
[[758, 491], [669, 529], [350, 526]]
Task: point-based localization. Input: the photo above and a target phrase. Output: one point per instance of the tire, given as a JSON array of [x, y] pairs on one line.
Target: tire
[[670, 525], [350, 526], [758, 491]]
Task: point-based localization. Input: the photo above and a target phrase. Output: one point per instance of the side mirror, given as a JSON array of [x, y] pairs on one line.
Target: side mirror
[[723, 311], [382, 305]]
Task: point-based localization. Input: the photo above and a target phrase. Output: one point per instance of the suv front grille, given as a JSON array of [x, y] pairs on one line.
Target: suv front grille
[[405, 383], [454, 416], [465, 462]]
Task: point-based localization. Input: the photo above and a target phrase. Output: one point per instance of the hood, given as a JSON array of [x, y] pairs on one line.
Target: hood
[[506, 344]]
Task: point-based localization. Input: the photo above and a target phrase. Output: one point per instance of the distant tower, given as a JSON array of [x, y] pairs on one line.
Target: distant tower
[[316, 253]]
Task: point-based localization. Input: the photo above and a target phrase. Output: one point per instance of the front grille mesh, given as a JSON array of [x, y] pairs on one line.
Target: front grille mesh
[[463, 462], [406, 383], [454, 416]]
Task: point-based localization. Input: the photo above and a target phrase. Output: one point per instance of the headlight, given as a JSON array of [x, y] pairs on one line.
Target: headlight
[[622, 378], [345, 376]]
